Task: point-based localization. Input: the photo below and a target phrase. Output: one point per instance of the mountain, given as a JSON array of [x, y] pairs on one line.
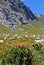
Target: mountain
[[13, 12], [40, 17]]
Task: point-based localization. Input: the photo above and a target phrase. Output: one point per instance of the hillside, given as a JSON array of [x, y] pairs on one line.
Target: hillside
[[37, 28], [27, 35], [17, 19], [13, 12], [21, 34]]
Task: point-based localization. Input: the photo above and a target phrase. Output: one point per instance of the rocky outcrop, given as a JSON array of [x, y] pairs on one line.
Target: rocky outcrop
[[15, 12]]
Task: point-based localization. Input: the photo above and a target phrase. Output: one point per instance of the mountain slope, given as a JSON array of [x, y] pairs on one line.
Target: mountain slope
[[40, 17], [14, 12]]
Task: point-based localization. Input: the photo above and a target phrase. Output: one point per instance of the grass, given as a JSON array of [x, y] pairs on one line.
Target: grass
[[38, 28], [39, 57]]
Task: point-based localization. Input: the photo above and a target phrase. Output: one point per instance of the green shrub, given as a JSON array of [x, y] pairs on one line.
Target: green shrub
[[19, 56], [37, 46]]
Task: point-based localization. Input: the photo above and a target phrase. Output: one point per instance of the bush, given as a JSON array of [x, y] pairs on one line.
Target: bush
[[37, 46], [19, 55]]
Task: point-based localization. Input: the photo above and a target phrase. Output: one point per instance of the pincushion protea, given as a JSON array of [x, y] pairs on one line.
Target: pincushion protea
[[3, 53], [20, 44], [25, 58]]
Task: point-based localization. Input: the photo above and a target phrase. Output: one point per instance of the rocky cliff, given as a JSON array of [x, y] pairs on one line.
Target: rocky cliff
[[14, 12]]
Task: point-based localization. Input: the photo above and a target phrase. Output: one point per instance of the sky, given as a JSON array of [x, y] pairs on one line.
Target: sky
[[37, 6]]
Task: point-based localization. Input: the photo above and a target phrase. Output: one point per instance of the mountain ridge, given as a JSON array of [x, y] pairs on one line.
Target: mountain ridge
[[15, 12]]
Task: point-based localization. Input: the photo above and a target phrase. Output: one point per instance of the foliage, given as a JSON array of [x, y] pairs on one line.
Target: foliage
[[19, 54], [37, 46], [38, 58]]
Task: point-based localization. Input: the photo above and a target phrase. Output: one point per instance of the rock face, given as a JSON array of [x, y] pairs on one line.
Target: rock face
[[40, 17], [14, 12]]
